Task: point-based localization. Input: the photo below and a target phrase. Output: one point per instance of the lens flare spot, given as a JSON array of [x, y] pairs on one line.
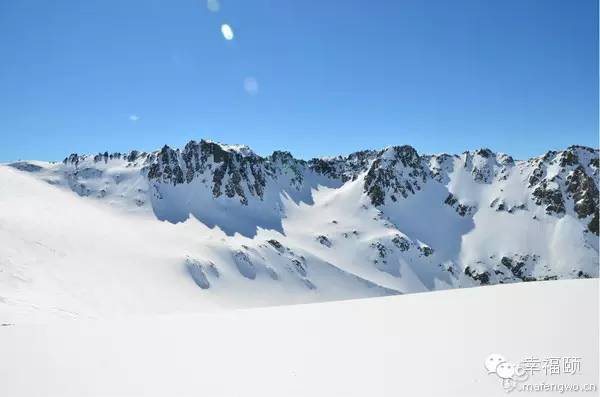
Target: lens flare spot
[[227, 31], [251, 85], [213, 5]]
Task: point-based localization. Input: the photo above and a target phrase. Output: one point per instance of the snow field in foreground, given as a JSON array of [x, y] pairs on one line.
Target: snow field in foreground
[[431, 344]]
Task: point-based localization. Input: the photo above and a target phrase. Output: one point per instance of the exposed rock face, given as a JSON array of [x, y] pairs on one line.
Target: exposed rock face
[[593, 225], [323, 240], [395, 173], [461, 209], [166, 168], [482, 170], [344, 168], [381, 250], [401, 242], [549, 197], [486, 166], [233, 174], [561, 178], [584, 192], [518, 267], [425, 250], [440, 166], [483, 277], [568, 157]]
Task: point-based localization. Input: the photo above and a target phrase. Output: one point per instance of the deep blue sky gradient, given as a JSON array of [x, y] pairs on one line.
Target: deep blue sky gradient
[[519, 76]]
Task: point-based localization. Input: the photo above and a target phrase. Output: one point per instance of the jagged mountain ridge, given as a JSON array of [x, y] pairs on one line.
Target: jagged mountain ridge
[[389, 220], [239, 173]]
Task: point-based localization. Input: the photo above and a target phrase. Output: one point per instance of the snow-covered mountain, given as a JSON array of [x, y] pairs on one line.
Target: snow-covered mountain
[[213, 225]]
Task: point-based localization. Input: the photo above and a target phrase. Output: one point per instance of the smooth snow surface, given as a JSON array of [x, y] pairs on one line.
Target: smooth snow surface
[[431, 344]]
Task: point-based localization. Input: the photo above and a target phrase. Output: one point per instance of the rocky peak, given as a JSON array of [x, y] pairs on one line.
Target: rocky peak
[[165, 166], [485, 166], [505, 159], [441, 165], [328, 167], [346, 168], [232, 170], [396, 172], [208, 148], [282, 157], [405, 154], [484, 152], [562, 175]]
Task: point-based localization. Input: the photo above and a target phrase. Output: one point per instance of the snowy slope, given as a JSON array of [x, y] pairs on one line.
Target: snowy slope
[[213, 226], [72, 257], [431, 344]]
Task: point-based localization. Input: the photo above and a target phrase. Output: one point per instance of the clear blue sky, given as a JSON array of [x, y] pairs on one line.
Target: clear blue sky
[[519, 76]]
